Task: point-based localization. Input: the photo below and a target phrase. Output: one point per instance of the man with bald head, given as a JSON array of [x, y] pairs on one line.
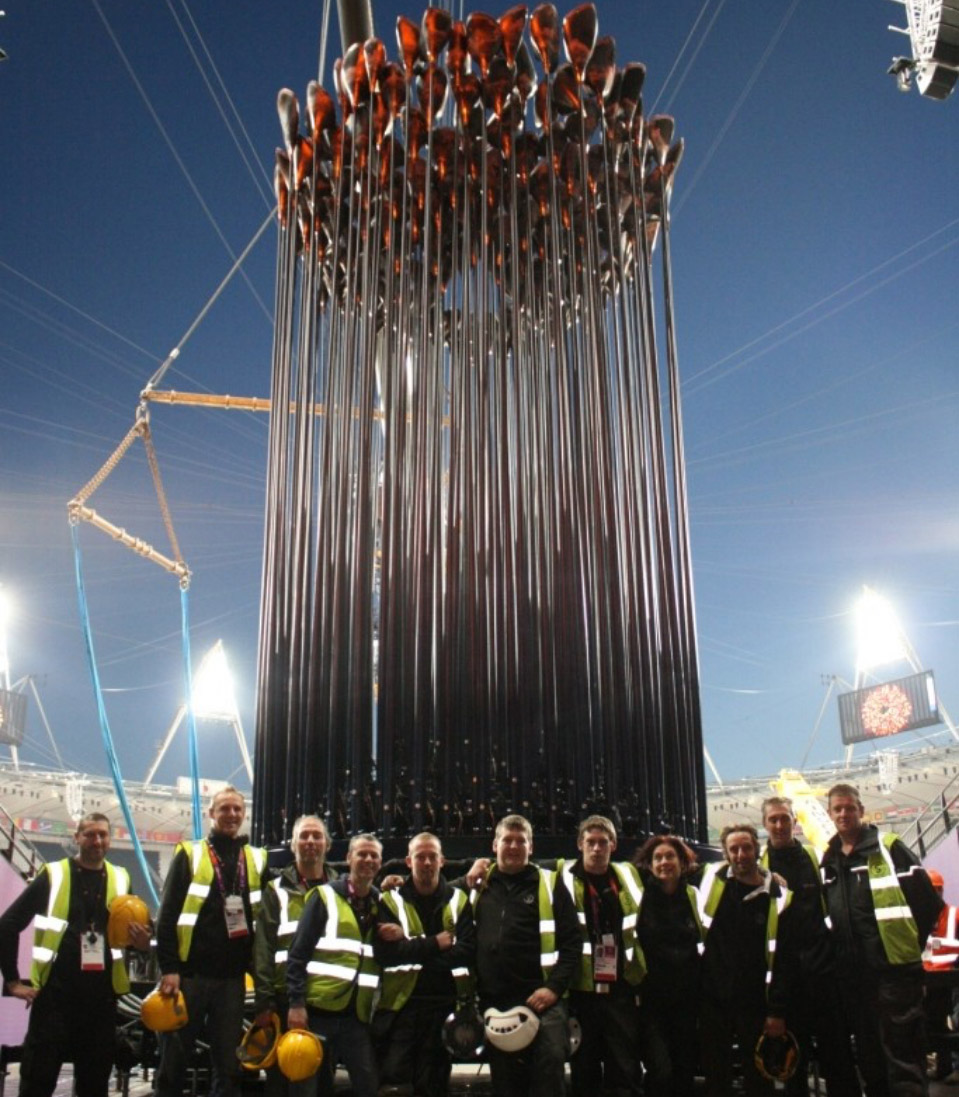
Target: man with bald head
[[424, 973]]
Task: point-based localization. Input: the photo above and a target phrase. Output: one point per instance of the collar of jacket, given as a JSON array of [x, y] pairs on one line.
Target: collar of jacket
[[868, 842]]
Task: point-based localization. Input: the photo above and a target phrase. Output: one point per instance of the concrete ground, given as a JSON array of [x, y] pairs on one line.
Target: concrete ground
[[473, 1081]]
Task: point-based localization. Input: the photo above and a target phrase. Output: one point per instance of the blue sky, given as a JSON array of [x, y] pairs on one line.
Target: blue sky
[[816, 277]]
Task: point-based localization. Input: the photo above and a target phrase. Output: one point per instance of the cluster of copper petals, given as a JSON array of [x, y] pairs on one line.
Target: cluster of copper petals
[[477, 137]]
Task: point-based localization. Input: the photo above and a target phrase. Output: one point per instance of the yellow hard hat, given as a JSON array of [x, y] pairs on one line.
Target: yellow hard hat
[[163, 1012], [257, 1049], [124, 911], [299, 1054]]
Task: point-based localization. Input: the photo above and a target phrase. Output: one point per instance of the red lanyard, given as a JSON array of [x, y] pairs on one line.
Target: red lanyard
[[239, 879]]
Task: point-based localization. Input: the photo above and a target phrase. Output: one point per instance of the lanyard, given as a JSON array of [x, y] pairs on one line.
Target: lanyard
[[596, 905], [239, 876]]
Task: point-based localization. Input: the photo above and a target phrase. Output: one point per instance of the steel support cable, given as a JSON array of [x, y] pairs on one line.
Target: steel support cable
[[237, 263], [170, 145]]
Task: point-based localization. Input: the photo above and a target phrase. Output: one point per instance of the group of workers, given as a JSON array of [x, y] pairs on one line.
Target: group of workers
[[657, 968]]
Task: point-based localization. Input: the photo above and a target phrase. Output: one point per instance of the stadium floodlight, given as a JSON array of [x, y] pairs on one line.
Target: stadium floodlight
[[879, 636], [213, 697]]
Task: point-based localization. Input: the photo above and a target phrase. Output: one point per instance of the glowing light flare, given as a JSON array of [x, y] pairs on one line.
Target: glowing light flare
[[879, 638], [213, 697], [6, 615]]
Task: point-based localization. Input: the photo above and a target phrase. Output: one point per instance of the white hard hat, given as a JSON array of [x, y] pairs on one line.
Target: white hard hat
[[511, 1029]]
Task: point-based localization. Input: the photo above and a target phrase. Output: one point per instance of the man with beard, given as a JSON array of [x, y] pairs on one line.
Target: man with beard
[[75, 977], [747, 960], [424, 974]]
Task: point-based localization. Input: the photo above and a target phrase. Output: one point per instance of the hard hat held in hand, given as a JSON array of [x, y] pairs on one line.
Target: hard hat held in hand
[[299, 1054], [511, 1029], [257, 1050], [124, 911], [163, 1012]]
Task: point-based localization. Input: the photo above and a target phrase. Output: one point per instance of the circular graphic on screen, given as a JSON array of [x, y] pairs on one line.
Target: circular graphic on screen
[[886, 710]]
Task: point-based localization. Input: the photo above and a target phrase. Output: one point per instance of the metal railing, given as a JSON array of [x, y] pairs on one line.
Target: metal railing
[[934, 821], [18, 849]]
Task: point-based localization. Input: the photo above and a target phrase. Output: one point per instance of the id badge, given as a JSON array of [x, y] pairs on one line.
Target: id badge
[[605, 956], [91, 951], [235, 916]]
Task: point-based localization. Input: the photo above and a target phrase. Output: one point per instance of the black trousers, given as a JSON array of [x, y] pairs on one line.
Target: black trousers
[[412, 1049], [722, 1023], [607, 1061], [884, 1013], [669, 1046], [818, 1014], [540, 1069], [62, 1030]]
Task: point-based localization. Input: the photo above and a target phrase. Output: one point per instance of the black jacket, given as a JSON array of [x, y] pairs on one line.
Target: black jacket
[[807, 909], [508, 965], [850, 903], [734, 959], [435, 979], [212, 952]]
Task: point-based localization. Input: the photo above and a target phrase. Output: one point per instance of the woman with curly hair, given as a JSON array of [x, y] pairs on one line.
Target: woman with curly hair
[[670, 934]]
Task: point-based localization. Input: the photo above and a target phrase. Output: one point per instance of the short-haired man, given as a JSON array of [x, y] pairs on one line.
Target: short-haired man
[[283, 900], [528, 949], [211, 897], [75, 977], [882, 907], [813, 1010], [331, 974], [425, 972], [747, 960], [604, 994]]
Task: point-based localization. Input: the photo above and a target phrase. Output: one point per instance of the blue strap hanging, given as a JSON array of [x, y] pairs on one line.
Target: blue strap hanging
[[190, 714], [105, 723]]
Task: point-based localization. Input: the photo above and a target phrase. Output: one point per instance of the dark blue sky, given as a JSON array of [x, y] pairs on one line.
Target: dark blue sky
[[815, 261]]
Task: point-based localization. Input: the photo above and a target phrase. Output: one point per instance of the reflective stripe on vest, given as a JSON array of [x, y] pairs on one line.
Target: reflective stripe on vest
[[202, 875], [50, 927], [710, 895], [897, 926], [630, 902], [291, 907], [547, 922], [399, 980], [341, 958]]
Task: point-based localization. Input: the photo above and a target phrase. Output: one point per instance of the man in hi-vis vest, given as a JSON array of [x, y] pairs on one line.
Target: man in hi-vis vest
[[528, 950], [75, 976], [331, 975], [425, 973], [882, 908], [604, 994], [749, 960], [205, 944], [283, 900]]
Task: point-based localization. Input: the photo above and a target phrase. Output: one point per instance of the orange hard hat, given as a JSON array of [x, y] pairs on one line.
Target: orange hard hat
[[935, 878], [124, 911], [299, 1054], [163, 1012]]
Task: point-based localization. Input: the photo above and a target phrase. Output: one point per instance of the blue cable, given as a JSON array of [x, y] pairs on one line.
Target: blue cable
[[191, 715], [104, 722]]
